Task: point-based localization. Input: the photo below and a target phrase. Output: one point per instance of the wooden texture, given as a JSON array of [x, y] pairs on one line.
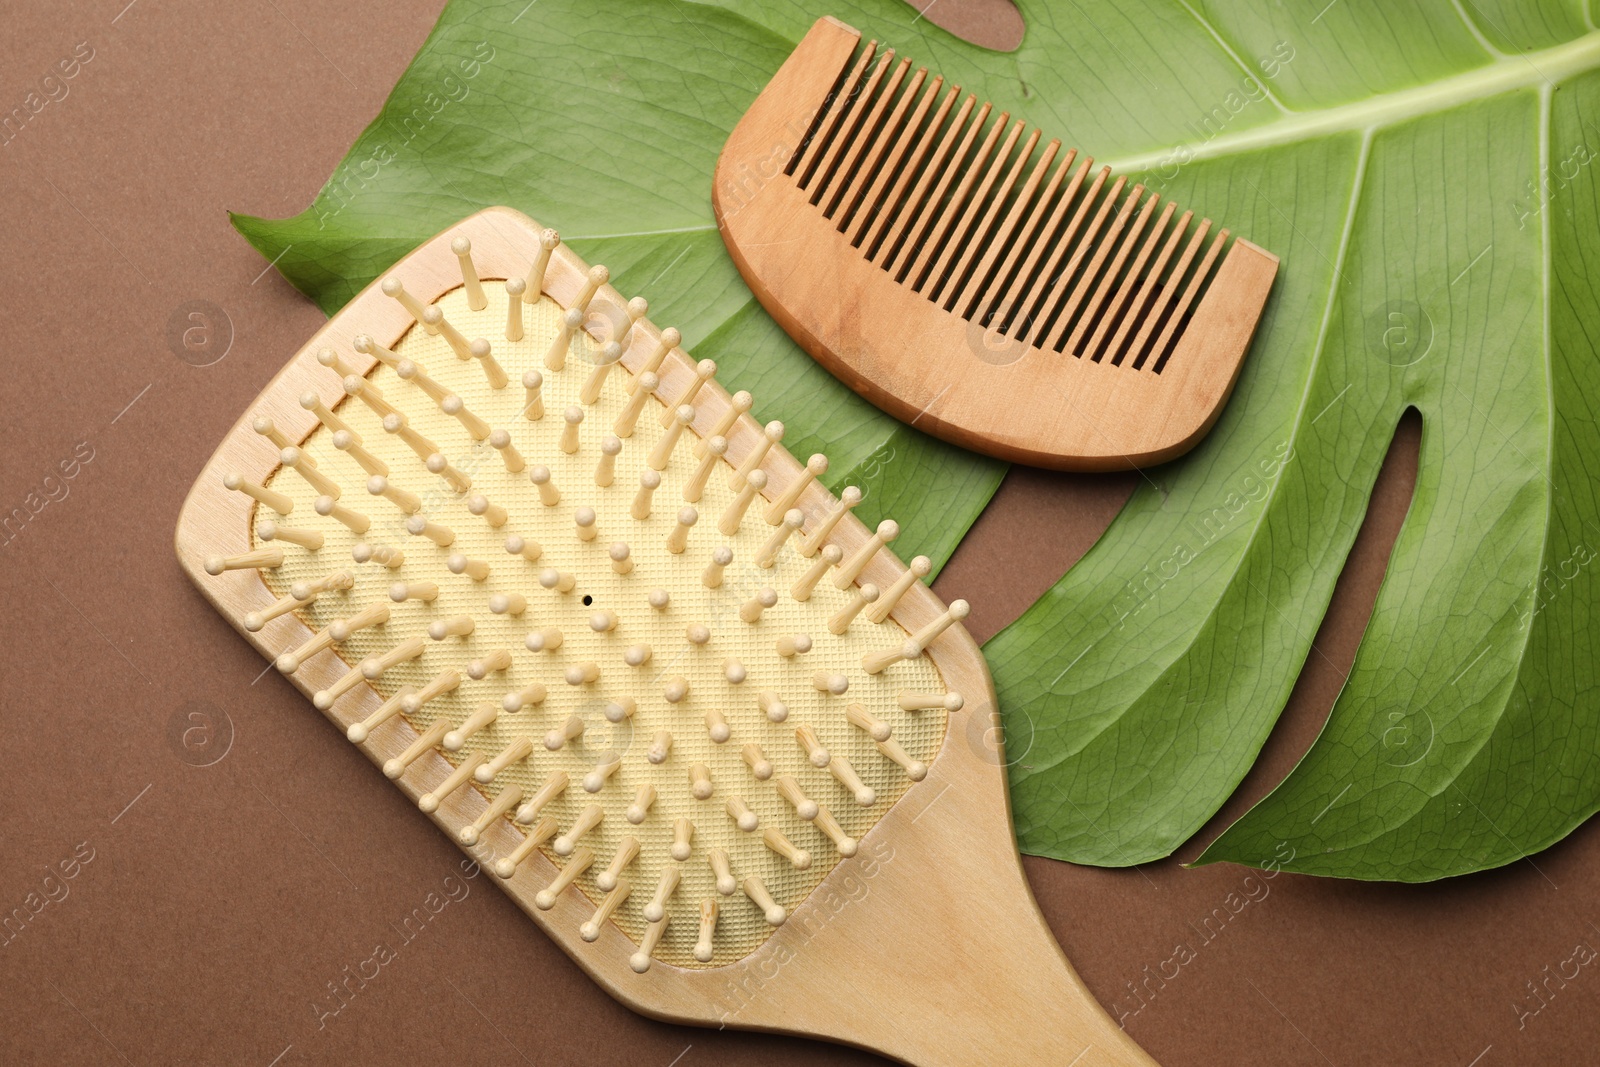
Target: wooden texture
[[1071, 328], [926, 945]]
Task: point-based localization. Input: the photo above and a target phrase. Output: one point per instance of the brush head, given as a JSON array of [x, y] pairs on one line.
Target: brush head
[[974, 277]]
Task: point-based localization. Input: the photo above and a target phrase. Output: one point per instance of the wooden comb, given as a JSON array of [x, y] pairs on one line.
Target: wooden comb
[[990, 291], [725, 748]]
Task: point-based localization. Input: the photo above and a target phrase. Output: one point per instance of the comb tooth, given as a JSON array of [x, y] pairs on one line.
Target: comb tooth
[[855, 168], [515, 287], [904, 209], [912, 701], [704, 371], [330, 358], [294, 458], [771, 910], [495, 662], [255, 620], [525, 547], [635, 656], [643, 799], [498, 807], [357, 386], [434, 316], [383, 555], [507, 865], [590, 817], [533, 288], [532, 397], [621, 558], [840, 622], [553, 787], [738, 404], [772, 706], [586, 673], [656, 909], [733, 515], [700, 781], [1168, 294], [360, 731], [849, 498], [555, 357], [867, 212], [878, 662], [549, 495], [523, 698], [438, 464], [845, 774], [546, 639], [1093, 274], [1125, 286], [851, 569], [768, 556], [916, 770], [670, 339], [322, 640], [605, 472], [307, 539], [1189, 293], [771, 434], [581, 860], [711, 577], [851, 131], [935, 212], [682, 837], [373, 667], [592, 281], [411, 371], [429, 802], [424, 743], [1147, 286], [627, 852], [1069, 274], [629, 417], [640, 960], [392, 287], [446, 681], [919, 568], [793, 645], [696, 634], [482, 716], [722, 870], [661, 454], [742, 816], [440, 535], [517, 750], [840, 108], [831, 829], [569, 433], [493, 514], [703, 949], [965, 237], [760, 766], [675, 691], [807, 582], [678, 539], [455, 407], [816, 139], [750, 611], [603, 621], [268, 429], [806, 736], [400, 427], [862, 719], [610, 354], [815, 468], [583, 521], [832, 684], [364, 344], [596, 779], [351, 447], [491, 367], [774, 839], [954, 613], [620, 709], [637, 309], [1032, 281], [1002, 241], [307, 591], [408, 502], [273, 499]]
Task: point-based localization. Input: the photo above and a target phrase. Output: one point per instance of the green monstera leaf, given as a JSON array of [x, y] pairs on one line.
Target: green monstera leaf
[[1424, 173]]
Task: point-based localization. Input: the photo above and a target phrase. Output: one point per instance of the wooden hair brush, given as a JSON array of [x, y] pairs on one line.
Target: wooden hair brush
[[997, 293], [732, 754]]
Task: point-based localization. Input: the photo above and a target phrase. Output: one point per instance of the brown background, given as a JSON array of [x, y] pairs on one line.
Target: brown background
[[221, 899]]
